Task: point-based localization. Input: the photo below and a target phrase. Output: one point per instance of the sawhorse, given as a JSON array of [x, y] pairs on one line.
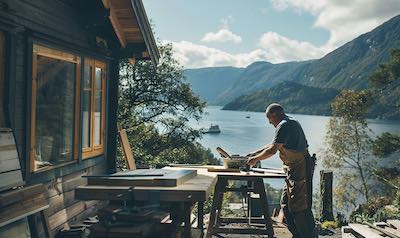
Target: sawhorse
[[215, 217]]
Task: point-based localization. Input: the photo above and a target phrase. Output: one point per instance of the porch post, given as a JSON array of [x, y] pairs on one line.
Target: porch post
[[112, 116]]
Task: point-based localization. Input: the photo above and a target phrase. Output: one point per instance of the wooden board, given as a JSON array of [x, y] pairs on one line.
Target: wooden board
[[366, 231], [169, 178], [10, 169], [394, 223], [17, 195], [223, 169], [126, 148], [22, 209]]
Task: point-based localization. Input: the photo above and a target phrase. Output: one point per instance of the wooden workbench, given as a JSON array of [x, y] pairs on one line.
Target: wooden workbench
[[194, 190]]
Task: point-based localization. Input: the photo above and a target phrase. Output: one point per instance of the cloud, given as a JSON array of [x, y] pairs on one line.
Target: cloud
[[223, 35], [272, 47], [282, 49], [344, 19], [192, 55]]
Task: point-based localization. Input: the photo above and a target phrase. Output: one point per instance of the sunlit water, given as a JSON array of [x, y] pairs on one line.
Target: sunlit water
[[241, 135]]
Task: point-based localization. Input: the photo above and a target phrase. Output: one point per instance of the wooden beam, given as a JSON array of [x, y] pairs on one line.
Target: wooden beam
[[117, 28], [115, 22]]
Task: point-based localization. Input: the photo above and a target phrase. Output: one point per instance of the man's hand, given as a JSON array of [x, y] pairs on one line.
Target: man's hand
[[252, 161]]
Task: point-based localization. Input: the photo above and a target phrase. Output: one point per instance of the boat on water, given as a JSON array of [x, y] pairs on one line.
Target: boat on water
[[213, 129]]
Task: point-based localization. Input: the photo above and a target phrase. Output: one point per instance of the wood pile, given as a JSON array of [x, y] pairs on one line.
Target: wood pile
[[389, 229], [117, 221]]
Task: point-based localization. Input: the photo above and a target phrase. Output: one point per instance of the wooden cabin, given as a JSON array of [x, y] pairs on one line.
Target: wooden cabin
[[59, 72]]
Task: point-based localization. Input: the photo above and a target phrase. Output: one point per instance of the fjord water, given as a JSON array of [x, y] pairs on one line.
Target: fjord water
[[243, 132]]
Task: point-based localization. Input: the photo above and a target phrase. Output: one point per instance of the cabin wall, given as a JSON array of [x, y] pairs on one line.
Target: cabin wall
[[58, 24]]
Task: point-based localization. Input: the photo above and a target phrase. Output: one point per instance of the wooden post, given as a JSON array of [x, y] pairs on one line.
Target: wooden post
[[326, 196]]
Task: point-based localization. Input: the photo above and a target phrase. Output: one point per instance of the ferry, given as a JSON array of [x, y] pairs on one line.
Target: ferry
[[213, 129]]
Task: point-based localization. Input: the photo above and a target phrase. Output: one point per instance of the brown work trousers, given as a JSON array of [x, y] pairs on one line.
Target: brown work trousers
[[296, 200]]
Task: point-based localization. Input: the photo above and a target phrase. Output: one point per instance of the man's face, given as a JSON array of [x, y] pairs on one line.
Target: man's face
[[273, 119]]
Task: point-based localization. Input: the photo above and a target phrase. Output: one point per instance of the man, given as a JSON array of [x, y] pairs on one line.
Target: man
[[291, 142]]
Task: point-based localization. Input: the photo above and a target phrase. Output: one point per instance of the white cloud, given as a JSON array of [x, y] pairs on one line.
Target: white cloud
[[273, 48], [344, 19], [192, 55], [282, 49], [223, 35]]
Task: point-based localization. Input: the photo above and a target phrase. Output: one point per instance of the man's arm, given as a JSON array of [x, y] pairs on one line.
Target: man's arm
[[254, 153], [264, 154]]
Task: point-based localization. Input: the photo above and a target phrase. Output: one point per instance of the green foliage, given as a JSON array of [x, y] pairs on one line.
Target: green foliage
[[387, 73], [155, 106], [386, 144], [352, 106], [349, 148], [294, 97], [379, 209]]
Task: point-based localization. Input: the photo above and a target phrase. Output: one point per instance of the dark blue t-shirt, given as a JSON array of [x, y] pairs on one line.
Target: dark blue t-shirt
[[291, 135]]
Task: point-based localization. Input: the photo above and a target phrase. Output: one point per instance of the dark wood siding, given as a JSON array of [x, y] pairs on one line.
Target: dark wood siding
[[68, 25]]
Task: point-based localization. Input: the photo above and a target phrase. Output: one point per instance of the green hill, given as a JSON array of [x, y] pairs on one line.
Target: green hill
[[294, 97]]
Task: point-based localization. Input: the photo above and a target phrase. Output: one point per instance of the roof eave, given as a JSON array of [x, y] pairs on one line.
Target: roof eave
[[146, 30]]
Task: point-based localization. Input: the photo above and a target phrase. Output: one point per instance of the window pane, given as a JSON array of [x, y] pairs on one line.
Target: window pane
[[87, 77], [97, 119], [55, 82], [86, 108], [98, 78]]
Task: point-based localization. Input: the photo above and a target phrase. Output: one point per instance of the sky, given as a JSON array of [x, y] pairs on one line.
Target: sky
[[211, 33]]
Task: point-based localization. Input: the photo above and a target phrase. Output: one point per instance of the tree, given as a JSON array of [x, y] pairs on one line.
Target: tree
[[155, 106], [349, 146], [386, 78]]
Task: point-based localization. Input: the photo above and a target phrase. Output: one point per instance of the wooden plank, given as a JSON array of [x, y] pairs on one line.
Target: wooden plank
[[171, 178], [22, 209], [68, 213], [11, 179], [394, 223], [127, 150], [382, 230], [9, 161], [117, 28], [103, 192], [59, 202], [387, 228], [222, 170], [7, 198], [366, 231]]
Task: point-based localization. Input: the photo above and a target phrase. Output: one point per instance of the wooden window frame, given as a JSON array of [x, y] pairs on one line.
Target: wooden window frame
[[41, 50], [93, 150]]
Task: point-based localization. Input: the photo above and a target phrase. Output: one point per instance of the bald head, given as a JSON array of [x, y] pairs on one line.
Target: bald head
[[274, 108], [275, 113]]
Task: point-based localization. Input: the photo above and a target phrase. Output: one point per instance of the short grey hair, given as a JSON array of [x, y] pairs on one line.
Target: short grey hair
[[275, 108]]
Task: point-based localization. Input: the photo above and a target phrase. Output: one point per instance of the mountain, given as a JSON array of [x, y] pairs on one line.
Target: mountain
[[210, 82], [294, 97], [349, 66]]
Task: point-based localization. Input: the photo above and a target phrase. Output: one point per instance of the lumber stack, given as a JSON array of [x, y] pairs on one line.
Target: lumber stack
[[117, 221], [389, 229]]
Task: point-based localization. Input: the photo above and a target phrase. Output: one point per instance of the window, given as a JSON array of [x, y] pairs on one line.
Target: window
[[93, 107], [2, 86], [55, 110]]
